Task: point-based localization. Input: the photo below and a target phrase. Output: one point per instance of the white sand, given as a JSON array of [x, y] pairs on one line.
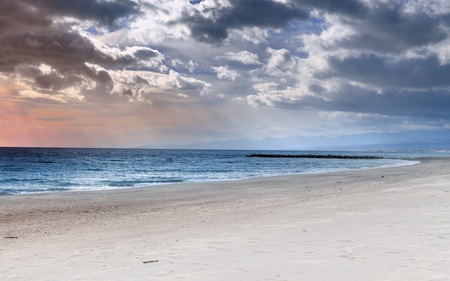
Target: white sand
[[381, 224]]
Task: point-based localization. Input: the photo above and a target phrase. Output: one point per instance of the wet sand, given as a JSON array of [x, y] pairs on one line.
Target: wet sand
[[378, 224]]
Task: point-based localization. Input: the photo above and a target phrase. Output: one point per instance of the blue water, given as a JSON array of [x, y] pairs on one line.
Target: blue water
[[31, 170]]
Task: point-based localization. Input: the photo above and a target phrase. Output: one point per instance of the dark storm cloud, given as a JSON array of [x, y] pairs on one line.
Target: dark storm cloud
[[41, 11], [390, 29], [104, 12], [242, 13], [390, 73], [428, 103], [384, 28], [18, 16], [29, 36], [145, 54], [48, 53], [57, 48], [66, 52], [348, 7], [261, 13]]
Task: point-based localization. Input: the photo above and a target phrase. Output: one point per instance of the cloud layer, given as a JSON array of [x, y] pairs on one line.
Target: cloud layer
[[354, 57]]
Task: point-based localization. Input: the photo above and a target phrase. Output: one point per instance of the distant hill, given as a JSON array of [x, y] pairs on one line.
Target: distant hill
[[410, 140]]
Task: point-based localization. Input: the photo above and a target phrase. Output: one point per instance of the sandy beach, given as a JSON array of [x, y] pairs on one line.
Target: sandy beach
[[378, 224]]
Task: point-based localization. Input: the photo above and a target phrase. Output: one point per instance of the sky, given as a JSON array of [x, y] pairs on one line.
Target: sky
[[129, 73]]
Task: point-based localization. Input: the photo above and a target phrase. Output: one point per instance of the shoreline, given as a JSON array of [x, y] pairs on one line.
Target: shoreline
[[297, 226], [81, 202], [413, 161]]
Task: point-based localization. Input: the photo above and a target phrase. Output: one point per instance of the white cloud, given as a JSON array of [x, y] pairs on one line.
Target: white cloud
[[281, 63], [224, 72], [271, 94], [265, 87], [73, 96], [138, 86], [281, 67], [157, 23], [192, 66], [244, 57], [176, 63]]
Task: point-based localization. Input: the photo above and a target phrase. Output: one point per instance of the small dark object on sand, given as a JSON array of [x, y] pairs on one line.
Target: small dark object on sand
[[11, 237], [151, 261]]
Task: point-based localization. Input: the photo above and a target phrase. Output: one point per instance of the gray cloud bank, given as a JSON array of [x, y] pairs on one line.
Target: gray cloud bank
[[211, 24]]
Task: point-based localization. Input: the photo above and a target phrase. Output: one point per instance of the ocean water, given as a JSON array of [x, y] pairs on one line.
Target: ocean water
[[32, 170]]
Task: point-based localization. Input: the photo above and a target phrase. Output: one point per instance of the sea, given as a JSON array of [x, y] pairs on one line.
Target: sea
[[37, 170]]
